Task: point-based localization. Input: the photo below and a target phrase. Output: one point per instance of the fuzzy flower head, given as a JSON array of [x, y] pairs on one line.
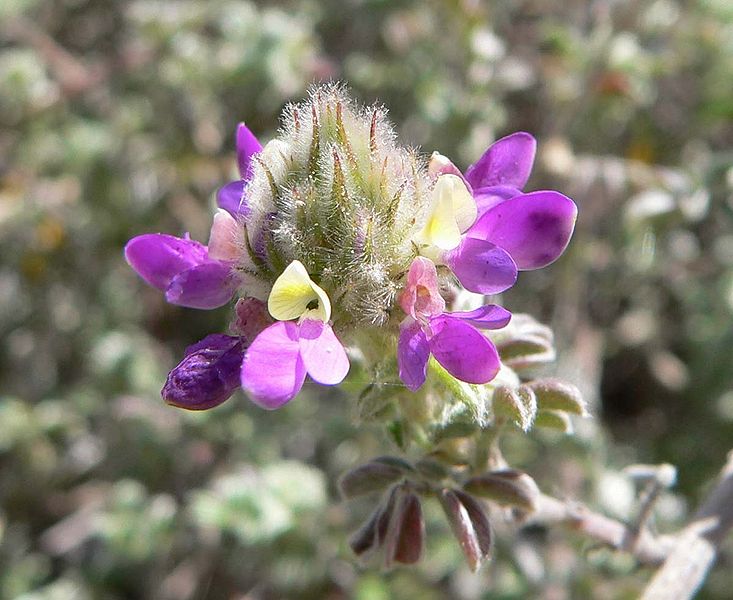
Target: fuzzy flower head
[[334, 234]]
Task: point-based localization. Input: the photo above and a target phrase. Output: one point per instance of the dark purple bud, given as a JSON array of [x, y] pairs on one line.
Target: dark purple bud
[[508, 486], [208, 374], [371, 477]]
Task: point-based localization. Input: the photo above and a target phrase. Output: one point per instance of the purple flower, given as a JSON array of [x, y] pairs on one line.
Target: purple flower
[[452, 338], [231, 196], [514, 231], [182, 268], [503, 170], [275, 366], [208, 374]]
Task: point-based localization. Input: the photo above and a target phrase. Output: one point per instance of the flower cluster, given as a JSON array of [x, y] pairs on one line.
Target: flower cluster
[[335, 236]]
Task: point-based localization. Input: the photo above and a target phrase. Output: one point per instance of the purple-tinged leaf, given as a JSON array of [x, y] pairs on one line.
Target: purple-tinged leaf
[[462, 526], [368, 478], [410, 540], [479, 520], [365, 538], [507, 486]]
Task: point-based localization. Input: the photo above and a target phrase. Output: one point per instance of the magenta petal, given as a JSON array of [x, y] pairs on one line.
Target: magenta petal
[[323, 355], [208, 374], [488, 197], [482, 266], [247, 146], [491, 316], [273, 371], [534, 228], [413, 353], [464, 351], [208, 285], [158, 257], [231, 198], [507, 161]]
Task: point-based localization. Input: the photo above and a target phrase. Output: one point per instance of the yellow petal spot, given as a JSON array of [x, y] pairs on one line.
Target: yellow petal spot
[[295, 295], [453, 212]]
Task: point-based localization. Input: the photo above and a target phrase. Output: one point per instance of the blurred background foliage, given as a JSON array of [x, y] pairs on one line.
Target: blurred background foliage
[[117, 118]]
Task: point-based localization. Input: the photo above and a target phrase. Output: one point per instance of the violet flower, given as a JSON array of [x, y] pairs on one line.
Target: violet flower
[[277, 362], [452, 338], [231, 197], [513, 231], [190, 274]]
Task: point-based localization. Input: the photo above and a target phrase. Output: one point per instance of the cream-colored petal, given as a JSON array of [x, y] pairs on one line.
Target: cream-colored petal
[[293, 291], [464, 206], [441, 229]]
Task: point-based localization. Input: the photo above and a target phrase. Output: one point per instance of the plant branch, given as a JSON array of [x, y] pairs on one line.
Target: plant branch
[[646, 548], [696, 548]]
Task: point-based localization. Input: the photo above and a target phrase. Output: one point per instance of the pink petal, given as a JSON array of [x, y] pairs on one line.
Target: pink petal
[[247, 146], [273, 371], [534, 228], [323, 355], [208, 285], [507, 161], [413, 353], [491, 316], [464, 351], [421, 295], [481, 266], [158, 257]]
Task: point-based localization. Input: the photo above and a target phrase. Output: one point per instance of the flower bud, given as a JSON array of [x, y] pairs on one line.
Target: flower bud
[[208, 374], [519, 405], [555, 394]]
